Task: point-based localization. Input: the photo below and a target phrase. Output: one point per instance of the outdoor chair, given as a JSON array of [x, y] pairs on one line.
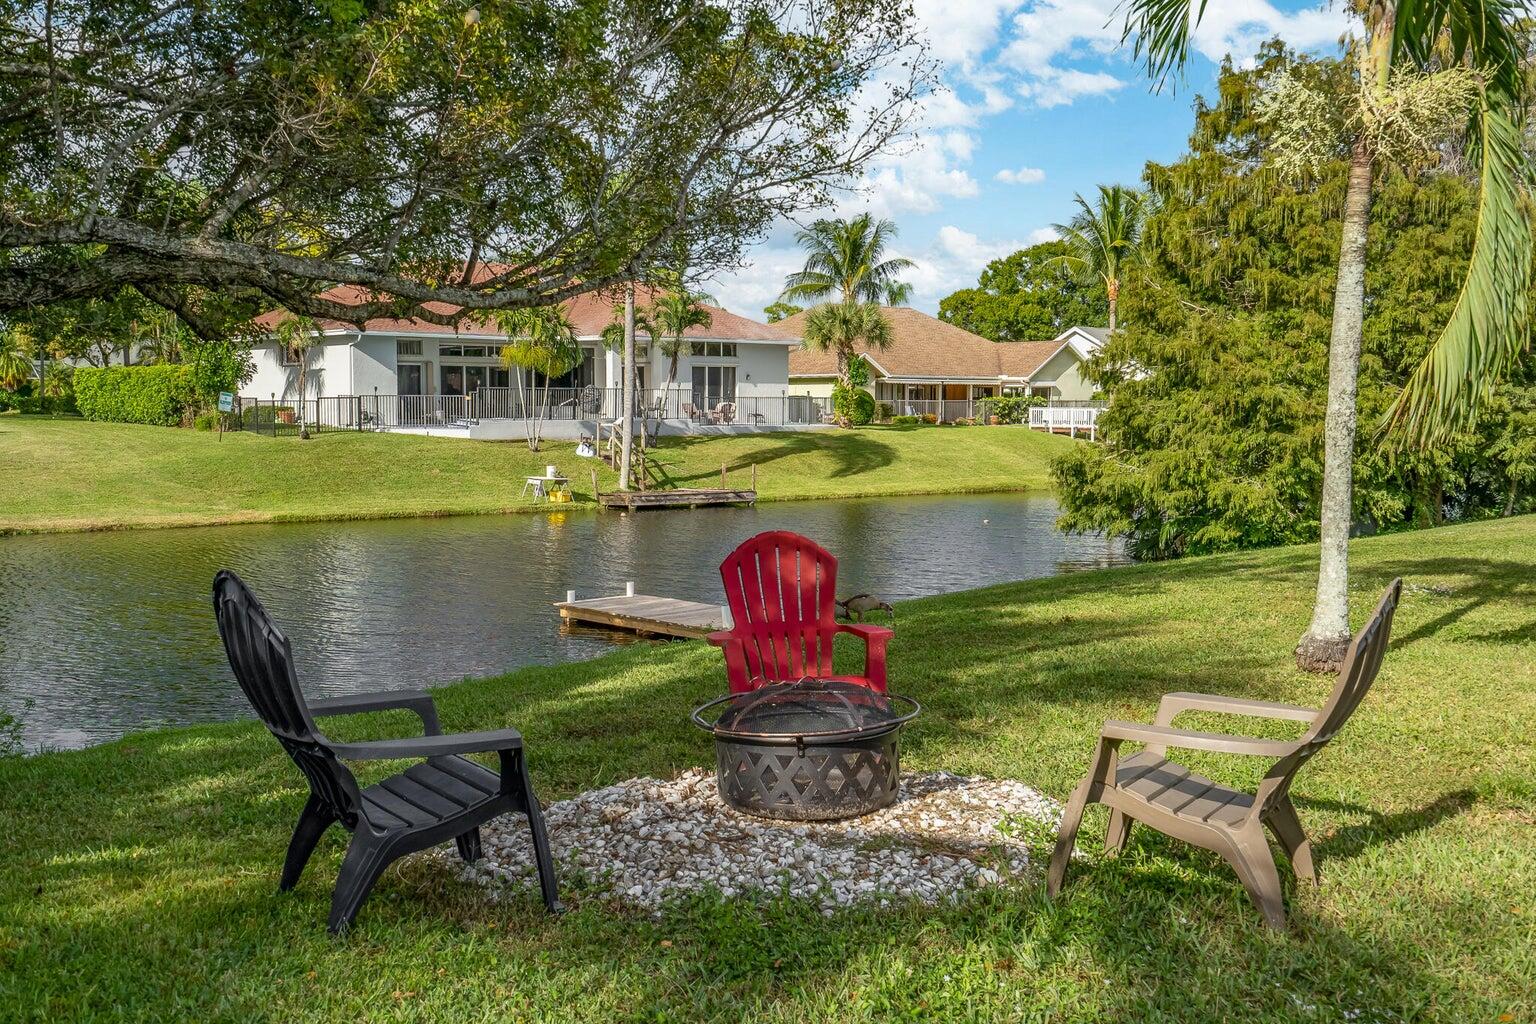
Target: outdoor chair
[[725, 412], [1149, 788], [782, 591], [693, 412], [446, 797]]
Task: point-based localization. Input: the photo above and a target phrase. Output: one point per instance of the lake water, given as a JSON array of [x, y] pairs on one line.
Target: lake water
[[103, 634]]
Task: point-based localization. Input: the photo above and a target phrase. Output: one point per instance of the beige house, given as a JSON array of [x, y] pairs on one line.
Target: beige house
[[933, 366]]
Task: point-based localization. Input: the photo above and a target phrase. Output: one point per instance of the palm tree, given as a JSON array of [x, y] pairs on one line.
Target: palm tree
[[673, 312], [540, 343], [840, 327], [1103, 239], [15, 366], [300, 334], [1487, 326], [845, 260]]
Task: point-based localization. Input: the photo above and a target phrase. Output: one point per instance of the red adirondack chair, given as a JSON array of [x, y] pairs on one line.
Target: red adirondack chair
[[782, 588]]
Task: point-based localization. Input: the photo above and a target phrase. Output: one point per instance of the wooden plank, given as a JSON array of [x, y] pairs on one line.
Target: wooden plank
[[680, 498], [643, 613]]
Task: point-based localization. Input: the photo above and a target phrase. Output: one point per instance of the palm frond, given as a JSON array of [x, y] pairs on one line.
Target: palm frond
[[1161, 30], [1487, 328]]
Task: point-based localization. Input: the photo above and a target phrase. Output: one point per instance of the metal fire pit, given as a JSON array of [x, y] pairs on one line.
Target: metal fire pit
[[812, 750]]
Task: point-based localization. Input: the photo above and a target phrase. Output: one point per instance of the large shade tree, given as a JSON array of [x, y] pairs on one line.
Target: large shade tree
[[1403, 40], [1028, 295], [439, 157]]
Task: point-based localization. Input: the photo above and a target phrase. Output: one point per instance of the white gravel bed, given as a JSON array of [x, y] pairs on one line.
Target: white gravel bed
[[647, 839]]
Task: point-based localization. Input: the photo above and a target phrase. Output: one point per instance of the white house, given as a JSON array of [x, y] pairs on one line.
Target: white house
[[411, 374]]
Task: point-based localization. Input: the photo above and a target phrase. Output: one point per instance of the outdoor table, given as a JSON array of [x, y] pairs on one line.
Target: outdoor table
[[544, 486]]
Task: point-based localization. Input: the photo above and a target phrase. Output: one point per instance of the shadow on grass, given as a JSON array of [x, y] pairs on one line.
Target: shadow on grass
[[851, 453]]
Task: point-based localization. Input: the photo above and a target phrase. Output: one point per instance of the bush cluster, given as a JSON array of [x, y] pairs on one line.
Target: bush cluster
[[163, 395]]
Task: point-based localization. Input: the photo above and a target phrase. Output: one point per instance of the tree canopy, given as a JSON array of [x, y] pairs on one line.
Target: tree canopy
[[1213, 439], [1031, 295], [502, 156]]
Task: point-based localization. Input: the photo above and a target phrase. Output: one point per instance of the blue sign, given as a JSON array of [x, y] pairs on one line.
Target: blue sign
[[226, 402]]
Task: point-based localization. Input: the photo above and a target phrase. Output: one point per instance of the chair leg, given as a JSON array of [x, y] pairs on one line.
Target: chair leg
[[1287, 828], [365, 862], [1252, 859], [541, 856], [1118, 833], [1066, 839], [313, 821], [469, 845]]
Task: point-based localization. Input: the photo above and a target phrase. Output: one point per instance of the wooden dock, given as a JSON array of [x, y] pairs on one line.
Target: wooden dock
[[678, 497], [682, 497], [641, 613]]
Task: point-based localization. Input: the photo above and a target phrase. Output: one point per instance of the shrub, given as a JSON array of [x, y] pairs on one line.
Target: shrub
[[884, 411], [905, 421], [863, 409], [930, 418], [1010, 408], [164, 395]]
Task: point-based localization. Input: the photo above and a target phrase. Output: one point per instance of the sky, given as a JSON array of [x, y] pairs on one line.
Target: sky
[[1040, 103]]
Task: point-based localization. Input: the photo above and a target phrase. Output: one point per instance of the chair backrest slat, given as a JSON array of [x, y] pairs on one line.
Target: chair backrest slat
[[262, 661], [1361, 663], [781, 589]]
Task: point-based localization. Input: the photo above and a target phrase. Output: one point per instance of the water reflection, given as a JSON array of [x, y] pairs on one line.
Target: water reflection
[[101, 634]]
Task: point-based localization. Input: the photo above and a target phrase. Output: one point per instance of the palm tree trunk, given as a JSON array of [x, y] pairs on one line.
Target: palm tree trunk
[[1322, 647], [627, 403], [1113, 290]]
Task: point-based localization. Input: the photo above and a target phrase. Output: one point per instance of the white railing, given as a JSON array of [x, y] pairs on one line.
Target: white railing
[[679, 403], [1069, 419], [424, 410]]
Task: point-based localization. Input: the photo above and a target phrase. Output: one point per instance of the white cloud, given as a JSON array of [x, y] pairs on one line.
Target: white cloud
[[1045, 234], [1022, 176]]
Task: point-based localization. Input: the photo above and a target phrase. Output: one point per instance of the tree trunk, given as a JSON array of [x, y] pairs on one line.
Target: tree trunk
[[627, 402], [1322, 647], [1514, 494], [1112, 288]]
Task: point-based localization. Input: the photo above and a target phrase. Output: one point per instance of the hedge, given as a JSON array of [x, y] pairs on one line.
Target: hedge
[[163, 395]]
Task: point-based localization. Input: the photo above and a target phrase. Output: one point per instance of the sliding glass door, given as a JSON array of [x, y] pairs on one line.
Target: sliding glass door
[[713, 385]]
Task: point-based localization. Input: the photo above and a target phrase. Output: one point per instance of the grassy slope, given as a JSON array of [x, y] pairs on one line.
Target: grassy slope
[[140, 876], [74, 475]]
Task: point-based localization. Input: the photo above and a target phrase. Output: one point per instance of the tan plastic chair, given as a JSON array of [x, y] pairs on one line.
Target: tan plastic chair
[[1149, 788]]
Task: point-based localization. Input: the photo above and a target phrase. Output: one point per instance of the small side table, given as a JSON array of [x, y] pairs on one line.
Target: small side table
[[544, 486]]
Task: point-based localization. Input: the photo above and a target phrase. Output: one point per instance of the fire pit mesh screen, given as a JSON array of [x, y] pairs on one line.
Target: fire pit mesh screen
[[814, 750]]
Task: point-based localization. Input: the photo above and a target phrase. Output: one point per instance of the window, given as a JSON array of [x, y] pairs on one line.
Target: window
[[718, 350], [501, 377], [713, 385], [450, 350], [407, 346], [477, 351]]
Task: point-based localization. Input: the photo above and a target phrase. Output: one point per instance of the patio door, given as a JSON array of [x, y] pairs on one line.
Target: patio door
[[713, 385]]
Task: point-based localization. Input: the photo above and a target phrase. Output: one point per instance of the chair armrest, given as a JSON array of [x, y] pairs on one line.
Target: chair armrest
[[868, 631], [722, 638], [430, 746], [1174, 704], [1220, 742], [419, 701]]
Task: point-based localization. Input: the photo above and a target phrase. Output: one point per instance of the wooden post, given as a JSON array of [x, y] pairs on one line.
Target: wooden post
[[629, 588], [594, 486], [754, 478], [722, 476], [570, 597]]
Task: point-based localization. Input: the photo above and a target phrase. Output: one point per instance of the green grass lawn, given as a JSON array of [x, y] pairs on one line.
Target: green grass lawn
[[70, 474], [140, 877]]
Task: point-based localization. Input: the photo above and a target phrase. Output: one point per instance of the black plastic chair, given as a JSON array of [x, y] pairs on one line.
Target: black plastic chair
[[448, 796]]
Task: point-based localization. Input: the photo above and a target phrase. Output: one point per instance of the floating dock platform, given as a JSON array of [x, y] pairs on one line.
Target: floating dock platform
[[685, 497], [646, 615]]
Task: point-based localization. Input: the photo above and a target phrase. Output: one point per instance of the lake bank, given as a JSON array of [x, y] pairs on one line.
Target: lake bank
[[163, 873], [72, 475]]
